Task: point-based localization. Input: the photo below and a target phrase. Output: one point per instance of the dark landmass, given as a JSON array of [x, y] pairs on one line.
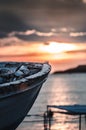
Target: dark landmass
[[78, 69]]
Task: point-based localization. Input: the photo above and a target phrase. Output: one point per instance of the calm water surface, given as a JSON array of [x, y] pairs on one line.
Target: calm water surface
[[58, 90]]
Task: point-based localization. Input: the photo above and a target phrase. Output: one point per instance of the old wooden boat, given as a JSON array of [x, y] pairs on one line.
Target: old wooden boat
[[20, 84]]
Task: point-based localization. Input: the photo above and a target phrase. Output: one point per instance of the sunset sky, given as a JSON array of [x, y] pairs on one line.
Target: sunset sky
[[43, 30]]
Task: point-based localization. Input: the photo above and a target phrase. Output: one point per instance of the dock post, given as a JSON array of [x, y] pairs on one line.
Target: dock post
[[50, 115], [80, 122], [49, 123], [45, 121]]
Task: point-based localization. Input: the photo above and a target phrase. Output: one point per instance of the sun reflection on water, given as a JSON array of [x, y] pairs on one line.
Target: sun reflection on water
[[65, 90]]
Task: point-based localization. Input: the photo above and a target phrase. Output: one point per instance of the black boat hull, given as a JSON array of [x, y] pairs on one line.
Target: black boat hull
[[20, 90], [14, 108]]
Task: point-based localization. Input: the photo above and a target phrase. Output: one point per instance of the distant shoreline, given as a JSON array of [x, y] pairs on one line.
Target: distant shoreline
[[78, 69]]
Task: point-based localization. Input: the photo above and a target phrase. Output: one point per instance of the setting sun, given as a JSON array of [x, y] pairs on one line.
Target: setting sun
[[55, 47]]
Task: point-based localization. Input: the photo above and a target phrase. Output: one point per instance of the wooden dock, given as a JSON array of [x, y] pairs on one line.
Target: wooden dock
[[68, 110]]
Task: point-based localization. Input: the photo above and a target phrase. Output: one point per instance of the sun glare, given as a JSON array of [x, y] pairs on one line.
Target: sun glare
[[55, 47]]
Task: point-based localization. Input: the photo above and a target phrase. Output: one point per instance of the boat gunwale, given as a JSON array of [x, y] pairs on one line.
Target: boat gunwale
[[22, 91]]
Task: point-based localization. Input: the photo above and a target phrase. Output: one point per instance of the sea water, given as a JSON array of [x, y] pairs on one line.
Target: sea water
[[61, 89]]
